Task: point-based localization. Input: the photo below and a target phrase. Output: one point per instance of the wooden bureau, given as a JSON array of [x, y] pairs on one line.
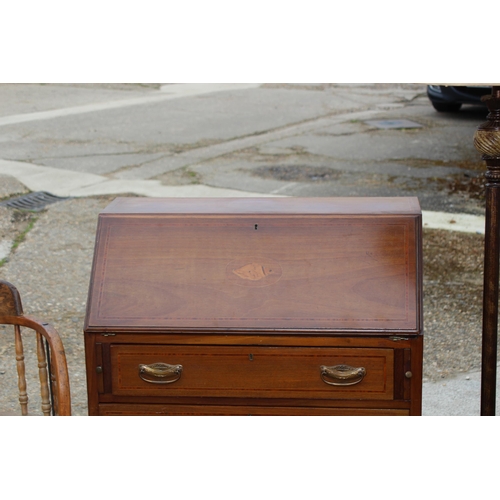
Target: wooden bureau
[[256, 306]]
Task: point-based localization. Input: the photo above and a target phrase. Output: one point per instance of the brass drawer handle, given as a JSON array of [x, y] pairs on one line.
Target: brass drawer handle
[[160, 371], [342, 374]]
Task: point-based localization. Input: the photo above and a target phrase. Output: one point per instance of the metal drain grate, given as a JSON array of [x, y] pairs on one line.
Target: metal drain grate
[[32, 201]]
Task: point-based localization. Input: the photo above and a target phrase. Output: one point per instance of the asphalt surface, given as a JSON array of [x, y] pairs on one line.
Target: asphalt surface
[[94, 142]]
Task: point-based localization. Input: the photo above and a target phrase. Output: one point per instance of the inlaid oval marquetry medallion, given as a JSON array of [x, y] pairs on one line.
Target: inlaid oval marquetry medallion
[[253, 272]]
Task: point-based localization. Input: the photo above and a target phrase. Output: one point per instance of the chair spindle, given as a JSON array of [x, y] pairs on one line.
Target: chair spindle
[[21, 371], [43, 374]]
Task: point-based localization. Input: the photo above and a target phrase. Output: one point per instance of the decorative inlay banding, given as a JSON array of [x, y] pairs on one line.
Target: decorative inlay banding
[[253, 272]]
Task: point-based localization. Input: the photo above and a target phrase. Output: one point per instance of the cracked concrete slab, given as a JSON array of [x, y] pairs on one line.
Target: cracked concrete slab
[[169, 127], [100, 103], [376, 145], [21, 99], [456, 396], [225, 182], [53, 180], [76, 184], [161, 141], [100, 164]]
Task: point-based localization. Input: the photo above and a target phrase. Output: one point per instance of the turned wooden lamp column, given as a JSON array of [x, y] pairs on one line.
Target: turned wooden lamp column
[[487, 142]]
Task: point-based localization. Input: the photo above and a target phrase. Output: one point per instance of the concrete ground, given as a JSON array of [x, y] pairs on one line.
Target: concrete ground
[[92, 142]]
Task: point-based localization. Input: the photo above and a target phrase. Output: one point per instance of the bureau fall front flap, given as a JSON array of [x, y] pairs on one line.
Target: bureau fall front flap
[[273, 272]]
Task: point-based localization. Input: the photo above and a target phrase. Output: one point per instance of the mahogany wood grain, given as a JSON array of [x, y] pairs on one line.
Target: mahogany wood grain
[[188, 207], [194, 410], [251, 297], [399, 379], [257, 339], [416, 363], [330, 273], [248, 401], [93, 360], [252, 371]]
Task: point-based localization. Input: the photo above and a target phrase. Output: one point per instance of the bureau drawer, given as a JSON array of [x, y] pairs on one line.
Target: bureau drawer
[[252, 372], [214, 410]]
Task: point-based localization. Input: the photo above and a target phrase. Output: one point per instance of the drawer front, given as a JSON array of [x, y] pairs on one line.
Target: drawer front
[[198, 410], [258, 372]]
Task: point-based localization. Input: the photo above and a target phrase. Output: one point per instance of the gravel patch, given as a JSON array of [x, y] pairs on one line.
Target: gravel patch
[[453, 289], [51, 270]]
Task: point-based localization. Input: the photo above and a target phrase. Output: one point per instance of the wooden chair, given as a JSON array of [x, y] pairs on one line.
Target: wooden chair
[[52, 367]]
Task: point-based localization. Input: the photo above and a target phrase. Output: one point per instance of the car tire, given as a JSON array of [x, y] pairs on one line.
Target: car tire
[[447, 107]]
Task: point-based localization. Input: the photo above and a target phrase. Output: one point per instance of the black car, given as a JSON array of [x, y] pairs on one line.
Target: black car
[[450, 99]]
